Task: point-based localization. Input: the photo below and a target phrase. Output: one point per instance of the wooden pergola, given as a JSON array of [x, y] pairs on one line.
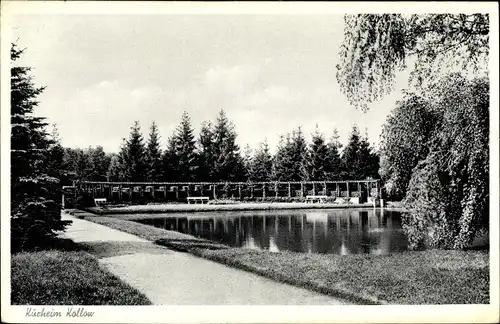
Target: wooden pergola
[[176, 191]]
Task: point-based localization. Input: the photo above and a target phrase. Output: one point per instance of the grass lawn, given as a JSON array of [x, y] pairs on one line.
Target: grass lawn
[[424, 277], [417, 277], [67, 278]]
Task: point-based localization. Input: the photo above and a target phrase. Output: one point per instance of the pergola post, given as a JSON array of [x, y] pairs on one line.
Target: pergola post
[[264, 190], [289, 190], [214, 191], [314, 189], [251, 191], [120, 193], [239, 191], [153, 191], [347, 184], [276, 189], [337, 189], [301, 189], [165, 191]]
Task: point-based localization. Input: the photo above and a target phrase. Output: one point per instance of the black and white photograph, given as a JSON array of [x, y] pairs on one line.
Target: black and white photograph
[[249, 162]]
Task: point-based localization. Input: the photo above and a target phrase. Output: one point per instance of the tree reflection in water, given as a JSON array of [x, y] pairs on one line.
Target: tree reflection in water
[[327, 231]]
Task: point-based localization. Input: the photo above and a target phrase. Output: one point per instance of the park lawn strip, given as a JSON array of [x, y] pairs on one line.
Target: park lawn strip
[[423, 277], [413, 277], [67, 278]]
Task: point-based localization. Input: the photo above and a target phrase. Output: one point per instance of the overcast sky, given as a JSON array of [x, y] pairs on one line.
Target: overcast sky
[[271, 73]]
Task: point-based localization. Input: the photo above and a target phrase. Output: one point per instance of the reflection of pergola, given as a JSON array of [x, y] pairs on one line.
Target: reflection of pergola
[[235, 190]]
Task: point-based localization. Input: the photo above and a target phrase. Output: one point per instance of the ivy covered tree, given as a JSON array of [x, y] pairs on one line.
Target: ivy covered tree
[[405, 142], [35, 189], [377, 46], [153, 154], [262, 163], [449, 190]]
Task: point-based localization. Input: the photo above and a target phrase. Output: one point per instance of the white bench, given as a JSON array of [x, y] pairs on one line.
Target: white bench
[[312, 199], [196, 199], [99, 201]]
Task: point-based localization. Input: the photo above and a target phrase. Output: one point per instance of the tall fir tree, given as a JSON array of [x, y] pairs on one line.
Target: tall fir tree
[[35, 194], [228, 164], [358, 159], [153, 154], [318, 163], [170, 161], [333, 167], [248, 162], [282, 161], [185, 150], [368, 160], [350, 156], [299, 155], [262, 163], [206, 151], [135, 157]]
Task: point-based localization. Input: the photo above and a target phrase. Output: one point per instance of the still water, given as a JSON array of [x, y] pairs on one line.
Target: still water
[[326, 231]]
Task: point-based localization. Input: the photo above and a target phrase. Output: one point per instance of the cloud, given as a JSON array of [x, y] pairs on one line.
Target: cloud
[[270, 73]]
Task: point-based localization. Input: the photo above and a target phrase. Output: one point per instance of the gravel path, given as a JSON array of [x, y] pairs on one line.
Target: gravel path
[[167, 277]]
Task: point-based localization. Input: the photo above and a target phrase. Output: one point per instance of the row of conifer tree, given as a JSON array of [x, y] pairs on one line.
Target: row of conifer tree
[[215, 156]]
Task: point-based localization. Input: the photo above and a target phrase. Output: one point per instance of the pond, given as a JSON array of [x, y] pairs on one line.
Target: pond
[[347, 231]]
